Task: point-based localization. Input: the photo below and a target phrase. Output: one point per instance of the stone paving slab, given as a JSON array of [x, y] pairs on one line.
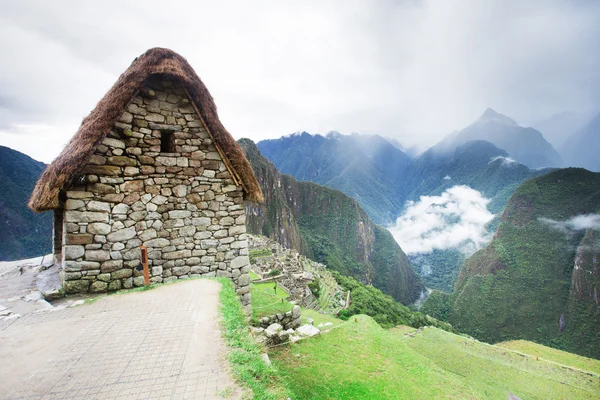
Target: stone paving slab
[[163, 343]]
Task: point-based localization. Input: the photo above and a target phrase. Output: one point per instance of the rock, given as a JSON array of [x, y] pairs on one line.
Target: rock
[[54, 294], [85, 216], [273, 330], [122, 235], [265, 358], [308, 330], [296, 312], [98, 286], [34, 296], [98, 228], [73, 252]]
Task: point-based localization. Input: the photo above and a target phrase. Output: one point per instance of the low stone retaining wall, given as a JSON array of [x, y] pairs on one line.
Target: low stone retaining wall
[[288, 320]]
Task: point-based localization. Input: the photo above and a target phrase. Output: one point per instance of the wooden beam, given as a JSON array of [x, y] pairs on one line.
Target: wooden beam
[[144, 257]]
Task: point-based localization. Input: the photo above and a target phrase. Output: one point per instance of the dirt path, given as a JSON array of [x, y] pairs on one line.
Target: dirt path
[[163, 343]]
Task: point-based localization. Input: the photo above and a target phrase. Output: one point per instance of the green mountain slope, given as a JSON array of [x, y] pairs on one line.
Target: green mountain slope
[[539, 278], [24, 233], [329, 227]]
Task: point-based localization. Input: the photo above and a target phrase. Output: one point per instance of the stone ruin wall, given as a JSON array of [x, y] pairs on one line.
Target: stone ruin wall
[[183, 206]]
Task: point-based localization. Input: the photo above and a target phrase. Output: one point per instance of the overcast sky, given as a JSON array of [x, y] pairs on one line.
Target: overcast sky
[[413, 70]]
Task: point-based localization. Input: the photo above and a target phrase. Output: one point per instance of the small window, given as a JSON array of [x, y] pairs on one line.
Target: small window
[[167, 144]]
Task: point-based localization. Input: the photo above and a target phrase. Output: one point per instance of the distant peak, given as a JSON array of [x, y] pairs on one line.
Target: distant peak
[[491, 115]]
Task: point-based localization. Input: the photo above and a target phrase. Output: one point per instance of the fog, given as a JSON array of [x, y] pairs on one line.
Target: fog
[[456, 219], [413, 70]]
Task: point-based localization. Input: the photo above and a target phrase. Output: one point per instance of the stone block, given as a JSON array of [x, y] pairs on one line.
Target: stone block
[[239, 262], [122, 235], [97, 255], [81, 238], [98, 206], [98, 286], [72, 252], [80, 286], [73, 204], [111, 265], [121, 274], [237, 230], [85, 216], [179, 254], [98, 228]]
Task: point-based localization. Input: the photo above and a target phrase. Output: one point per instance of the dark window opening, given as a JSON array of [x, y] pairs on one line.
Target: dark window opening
[[167, 144]]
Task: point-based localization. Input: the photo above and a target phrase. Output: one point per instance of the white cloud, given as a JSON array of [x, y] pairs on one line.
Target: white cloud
[[506, 161], [277, 67], [577, 223], [457, 219]]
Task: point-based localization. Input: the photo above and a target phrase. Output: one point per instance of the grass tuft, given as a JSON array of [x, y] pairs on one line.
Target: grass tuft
[[244, 357]]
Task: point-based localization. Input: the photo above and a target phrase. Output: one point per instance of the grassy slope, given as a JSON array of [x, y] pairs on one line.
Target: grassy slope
[[360, 360], [558, 356]]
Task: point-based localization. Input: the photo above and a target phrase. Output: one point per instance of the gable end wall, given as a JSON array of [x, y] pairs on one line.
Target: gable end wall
[[183, 206]]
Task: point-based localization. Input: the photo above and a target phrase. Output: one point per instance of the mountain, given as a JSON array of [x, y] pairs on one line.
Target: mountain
[[366, 168], [581, 150], [330, 227], [388, 179], [539, 278], [24, 233], [559, 128], [525, 145]]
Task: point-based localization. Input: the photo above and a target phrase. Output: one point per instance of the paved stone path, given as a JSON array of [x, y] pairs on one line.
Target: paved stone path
[[158, 344]]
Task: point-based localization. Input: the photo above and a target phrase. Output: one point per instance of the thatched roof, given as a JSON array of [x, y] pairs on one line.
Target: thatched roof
[[96, 126]]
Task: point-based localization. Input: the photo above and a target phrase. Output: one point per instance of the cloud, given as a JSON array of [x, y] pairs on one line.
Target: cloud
[[506, 161], [353, 66], [456, 219], [577, 223]]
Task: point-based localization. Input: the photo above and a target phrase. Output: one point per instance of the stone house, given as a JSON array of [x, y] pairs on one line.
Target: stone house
[[150, 166]]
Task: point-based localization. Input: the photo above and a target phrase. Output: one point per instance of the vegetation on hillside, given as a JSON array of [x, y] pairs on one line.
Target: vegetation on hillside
[[524, 285], [24, 233]]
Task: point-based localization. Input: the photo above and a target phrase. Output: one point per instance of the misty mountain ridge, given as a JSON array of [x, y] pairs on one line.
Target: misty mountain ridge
[[526, 145], [560, 127], [581, 150]]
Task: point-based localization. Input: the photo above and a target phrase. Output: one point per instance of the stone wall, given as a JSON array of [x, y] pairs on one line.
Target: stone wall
[[289, 320], [183, 206]]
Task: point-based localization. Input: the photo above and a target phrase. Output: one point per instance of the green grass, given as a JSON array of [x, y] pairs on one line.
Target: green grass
[[265, 301], [558, 356], [319, 318], [254, 275], [361, 360], [244, 357]]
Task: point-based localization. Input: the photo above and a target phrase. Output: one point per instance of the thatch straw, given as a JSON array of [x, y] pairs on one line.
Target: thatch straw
[[96, 126]]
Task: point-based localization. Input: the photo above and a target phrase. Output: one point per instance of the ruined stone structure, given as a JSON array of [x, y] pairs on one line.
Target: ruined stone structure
[[163, 174]]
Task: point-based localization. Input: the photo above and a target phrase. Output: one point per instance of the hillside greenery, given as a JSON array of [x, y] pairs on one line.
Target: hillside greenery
[[524, 285], [24, 234]]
